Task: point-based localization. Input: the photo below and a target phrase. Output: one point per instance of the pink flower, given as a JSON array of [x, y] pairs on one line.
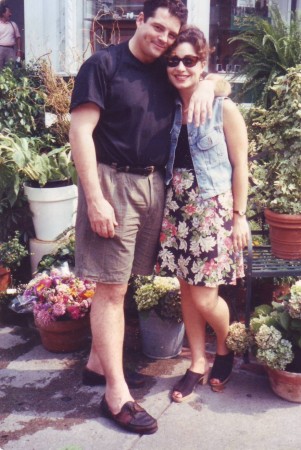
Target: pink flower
[[228, 243], [74, 312], [60, 296], [59, 309], [190, 209], [209, 266], [163, 237]]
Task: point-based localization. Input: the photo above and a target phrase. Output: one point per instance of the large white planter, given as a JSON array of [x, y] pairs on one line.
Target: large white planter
[[53, 209]]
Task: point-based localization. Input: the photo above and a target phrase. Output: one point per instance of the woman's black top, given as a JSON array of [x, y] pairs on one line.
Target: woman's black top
[[183, 157]]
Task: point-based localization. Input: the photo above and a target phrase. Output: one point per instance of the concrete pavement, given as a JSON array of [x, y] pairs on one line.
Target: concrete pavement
[[44, 406]]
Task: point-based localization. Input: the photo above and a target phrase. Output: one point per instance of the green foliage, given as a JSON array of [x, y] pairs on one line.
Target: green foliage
[[31, 158], [159, 293], [29, 150], [64, 252], [21, 102], [274, 334], [275, 149], [268, 50], [12, 252]]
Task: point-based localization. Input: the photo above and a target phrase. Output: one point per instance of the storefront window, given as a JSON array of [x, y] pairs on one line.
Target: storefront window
[[227, 18], [111, 21]]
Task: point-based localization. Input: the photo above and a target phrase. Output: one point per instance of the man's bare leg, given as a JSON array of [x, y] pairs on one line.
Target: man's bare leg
[[107, 323]]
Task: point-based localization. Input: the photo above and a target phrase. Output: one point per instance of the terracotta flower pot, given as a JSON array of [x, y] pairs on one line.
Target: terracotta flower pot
[[65, 336], [5, 278], [286, 385], [285, 234]]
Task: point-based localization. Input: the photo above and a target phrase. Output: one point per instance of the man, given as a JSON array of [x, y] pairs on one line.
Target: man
[[121, 115], [9, 37]]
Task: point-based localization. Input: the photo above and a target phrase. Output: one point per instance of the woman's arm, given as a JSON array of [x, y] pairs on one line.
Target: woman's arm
[[237, 142]]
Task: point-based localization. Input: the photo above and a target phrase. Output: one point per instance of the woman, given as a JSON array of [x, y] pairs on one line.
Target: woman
[[204, 228]]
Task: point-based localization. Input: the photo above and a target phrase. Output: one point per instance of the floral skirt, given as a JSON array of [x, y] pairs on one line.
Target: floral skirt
[[196, 236]]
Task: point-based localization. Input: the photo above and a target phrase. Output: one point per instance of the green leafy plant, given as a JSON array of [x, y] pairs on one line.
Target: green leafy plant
[[275, 332], [21, 102], [275, 150], [268, 49], [162, 294], [31, 158], [12, 252], [29, 151], [63, 253]]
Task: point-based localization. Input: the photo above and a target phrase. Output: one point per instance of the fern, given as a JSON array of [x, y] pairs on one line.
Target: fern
[[268, 50]]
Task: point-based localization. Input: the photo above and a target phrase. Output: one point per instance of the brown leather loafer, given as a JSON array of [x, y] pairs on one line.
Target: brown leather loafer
[[91, 378], [131, 417]]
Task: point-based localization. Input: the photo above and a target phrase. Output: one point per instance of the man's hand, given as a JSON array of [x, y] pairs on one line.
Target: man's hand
[[102, 218], [200, 105]]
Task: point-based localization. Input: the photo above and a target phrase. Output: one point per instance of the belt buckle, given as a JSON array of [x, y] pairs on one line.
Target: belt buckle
[[150, 169]]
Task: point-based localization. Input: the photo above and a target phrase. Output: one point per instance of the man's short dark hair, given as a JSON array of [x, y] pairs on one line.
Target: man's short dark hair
[[175, 7]]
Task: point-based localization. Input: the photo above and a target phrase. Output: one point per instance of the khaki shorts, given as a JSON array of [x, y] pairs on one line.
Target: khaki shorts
[[138, 201]]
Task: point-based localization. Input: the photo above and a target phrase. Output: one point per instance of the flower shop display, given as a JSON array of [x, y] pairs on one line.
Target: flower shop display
[[275, 338], [159, 307], [61, 304]]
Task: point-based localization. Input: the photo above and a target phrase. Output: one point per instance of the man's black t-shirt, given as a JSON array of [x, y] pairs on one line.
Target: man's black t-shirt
[[137, 105]]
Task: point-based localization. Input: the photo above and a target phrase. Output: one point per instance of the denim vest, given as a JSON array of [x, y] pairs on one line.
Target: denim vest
[[208, 150]]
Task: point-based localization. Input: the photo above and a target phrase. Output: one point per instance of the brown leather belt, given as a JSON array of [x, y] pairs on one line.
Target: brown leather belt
[[135, 170], [7, 46]]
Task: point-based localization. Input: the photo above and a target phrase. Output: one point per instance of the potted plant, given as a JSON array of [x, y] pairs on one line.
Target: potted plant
[[12, 253], [267, 48], [62, 255], [61, 304], [159, 307], [32, 150], [276, 161], [48, 175], [275, 338]]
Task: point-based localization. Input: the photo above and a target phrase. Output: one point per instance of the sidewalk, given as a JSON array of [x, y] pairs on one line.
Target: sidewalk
[[44, 406]]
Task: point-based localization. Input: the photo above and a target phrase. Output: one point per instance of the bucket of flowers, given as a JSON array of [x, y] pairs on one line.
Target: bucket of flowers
[[159, 308], [275, 339], [61, 304]]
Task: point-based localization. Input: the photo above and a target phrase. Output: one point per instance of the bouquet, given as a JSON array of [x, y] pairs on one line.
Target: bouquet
[[59, 296]]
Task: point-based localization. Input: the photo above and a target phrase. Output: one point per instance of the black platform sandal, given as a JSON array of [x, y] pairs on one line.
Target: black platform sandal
[[187, 384], [221, 371]]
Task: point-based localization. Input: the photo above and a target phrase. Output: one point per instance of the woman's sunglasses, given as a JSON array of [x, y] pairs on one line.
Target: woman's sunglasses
[[188, 61]]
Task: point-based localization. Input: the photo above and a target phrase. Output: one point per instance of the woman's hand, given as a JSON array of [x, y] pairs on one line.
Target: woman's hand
[[240, 234]]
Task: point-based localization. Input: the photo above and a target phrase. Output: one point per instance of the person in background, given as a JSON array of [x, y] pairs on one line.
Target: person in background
[[204, 227], [121, 115], [10, 39]]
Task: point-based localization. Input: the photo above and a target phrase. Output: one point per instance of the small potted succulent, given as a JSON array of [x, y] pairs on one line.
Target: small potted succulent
[[159, 306], [275, 338]]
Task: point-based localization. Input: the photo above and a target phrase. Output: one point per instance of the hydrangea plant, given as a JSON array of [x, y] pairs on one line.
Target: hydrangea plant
[[274, 334], [161, 294]]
